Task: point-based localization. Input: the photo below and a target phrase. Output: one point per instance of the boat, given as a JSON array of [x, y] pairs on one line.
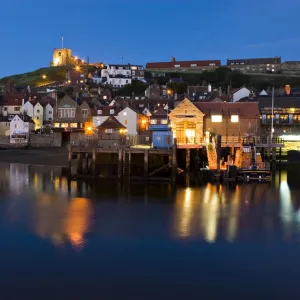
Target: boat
[[249, 163]]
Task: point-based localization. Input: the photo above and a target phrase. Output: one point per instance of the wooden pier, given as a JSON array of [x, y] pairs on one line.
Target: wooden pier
[[119, 163]]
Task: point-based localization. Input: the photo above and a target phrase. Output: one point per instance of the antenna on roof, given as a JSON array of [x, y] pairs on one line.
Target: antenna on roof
[[62, 41]]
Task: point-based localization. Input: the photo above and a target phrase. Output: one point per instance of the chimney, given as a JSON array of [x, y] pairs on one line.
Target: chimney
[[173, 59], [209, 88]]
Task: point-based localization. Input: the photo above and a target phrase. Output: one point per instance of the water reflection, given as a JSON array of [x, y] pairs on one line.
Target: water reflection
[[62, 211]]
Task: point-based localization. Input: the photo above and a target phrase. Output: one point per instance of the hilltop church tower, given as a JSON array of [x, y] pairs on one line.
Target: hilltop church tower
[[62, 57]]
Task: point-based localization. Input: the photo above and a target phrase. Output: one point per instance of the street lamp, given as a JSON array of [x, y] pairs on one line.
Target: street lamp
[[77, 68], [44, 76]]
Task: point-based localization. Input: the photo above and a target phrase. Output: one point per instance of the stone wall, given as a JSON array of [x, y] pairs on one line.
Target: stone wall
[[45, 140]]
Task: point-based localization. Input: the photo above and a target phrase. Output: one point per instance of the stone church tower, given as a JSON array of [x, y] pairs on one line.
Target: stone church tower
[[62, 57]]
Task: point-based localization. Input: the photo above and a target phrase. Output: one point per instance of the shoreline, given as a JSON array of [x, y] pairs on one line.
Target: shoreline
[[54, 157]]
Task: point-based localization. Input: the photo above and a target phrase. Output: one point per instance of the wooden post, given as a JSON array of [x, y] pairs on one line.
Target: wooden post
[[86, 162], [120, 154], [129, 163], [274, 159], [268, 148], [219, 139], [94, 162], [70, 155], [187, 160], [280, 156], [79, 164], [174, 161], [146, 164]]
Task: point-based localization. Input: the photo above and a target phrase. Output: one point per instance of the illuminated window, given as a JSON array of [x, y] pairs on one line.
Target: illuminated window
[[73, 125], [111, 111], [234, 118], [153, 122], [164, 121], [99, 112], [109, 130], [64, 125], [216, 119], [56, 125]]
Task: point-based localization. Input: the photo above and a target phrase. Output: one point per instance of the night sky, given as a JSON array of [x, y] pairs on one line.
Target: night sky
[[146, 30]]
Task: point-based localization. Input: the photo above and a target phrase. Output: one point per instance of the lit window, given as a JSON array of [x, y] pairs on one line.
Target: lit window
[[177, 66], [109, 130], [164, 122], [153, 122], [193, 65], [73, 125], [234, 118], [104, 97], [216, 119], [99, 112], [111, 111], [56, 125]]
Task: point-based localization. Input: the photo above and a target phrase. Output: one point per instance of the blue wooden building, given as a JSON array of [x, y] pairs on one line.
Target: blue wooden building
[[161, 133]]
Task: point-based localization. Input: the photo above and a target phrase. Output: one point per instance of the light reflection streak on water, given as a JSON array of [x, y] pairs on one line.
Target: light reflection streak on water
[[286, 207], [233, 218]]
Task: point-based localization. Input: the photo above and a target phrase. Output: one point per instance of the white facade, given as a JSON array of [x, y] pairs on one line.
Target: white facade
[[120, 75], [48, 113], [240, 94], [38, 115], [11, 110], [128, 118], [28, 109], [19, 130]]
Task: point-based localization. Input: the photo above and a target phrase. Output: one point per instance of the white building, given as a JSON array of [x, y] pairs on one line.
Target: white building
[[120, 75], [19, 130], [128, 118], [38, 115], [28, 109], [240, 94], [48, 113]]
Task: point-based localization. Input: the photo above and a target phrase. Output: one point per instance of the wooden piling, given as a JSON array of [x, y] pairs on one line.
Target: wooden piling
[[146, 164], [120, 157], [218, 146], [94, 162], [70, 160], [187, 160], [79, 164], [86, 163], [174, 161], [129, 163]]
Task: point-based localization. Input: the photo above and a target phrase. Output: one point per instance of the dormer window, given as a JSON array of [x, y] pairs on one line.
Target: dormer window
[[216, 118], [234, 118]]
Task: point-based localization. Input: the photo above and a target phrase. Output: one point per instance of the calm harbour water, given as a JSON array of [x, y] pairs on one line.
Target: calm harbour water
[[106, 241]]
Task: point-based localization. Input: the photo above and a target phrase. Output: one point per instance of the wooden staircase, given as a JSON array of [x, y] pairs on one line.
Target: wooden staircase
[[126, 163]]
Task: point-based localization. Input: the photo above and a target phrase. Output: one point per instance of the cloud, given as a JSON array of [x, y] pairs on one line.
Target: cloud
[[268, 44]]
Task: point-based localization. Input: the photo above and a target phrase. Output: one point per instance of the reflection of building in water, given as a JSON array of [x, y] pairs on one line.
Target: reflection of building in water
[[77, 222], [197, 213], [62, 221], [19, 178], [233, 217]]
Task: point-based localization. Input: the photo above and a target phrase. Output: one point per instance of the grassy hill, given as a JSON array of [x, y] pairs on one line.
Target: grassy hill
[[35, 78]]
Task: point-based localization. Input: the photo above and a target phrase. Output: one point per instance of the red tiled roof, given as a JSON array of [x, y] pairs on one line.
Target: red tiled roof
[[182, 64], [246, 110], [12, 99]]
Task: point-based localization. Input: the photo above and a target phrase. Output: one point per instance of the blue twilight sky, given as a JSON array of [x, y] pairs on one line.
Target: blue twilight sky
[[146, 30]]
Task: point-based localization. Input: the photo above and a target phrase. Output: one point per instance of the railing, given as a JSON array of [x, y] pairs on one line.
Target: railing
[[247, 165], [190, 141]]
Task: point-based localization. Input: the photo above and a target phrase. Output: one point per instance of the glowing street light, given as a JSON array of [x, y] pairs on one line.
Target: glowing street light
[[77, 68], [169, 92], [44, 76]]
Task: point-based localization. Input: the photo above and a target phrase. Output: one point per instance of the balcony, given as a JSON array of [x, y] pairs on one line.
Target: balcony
[[159, 127]]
